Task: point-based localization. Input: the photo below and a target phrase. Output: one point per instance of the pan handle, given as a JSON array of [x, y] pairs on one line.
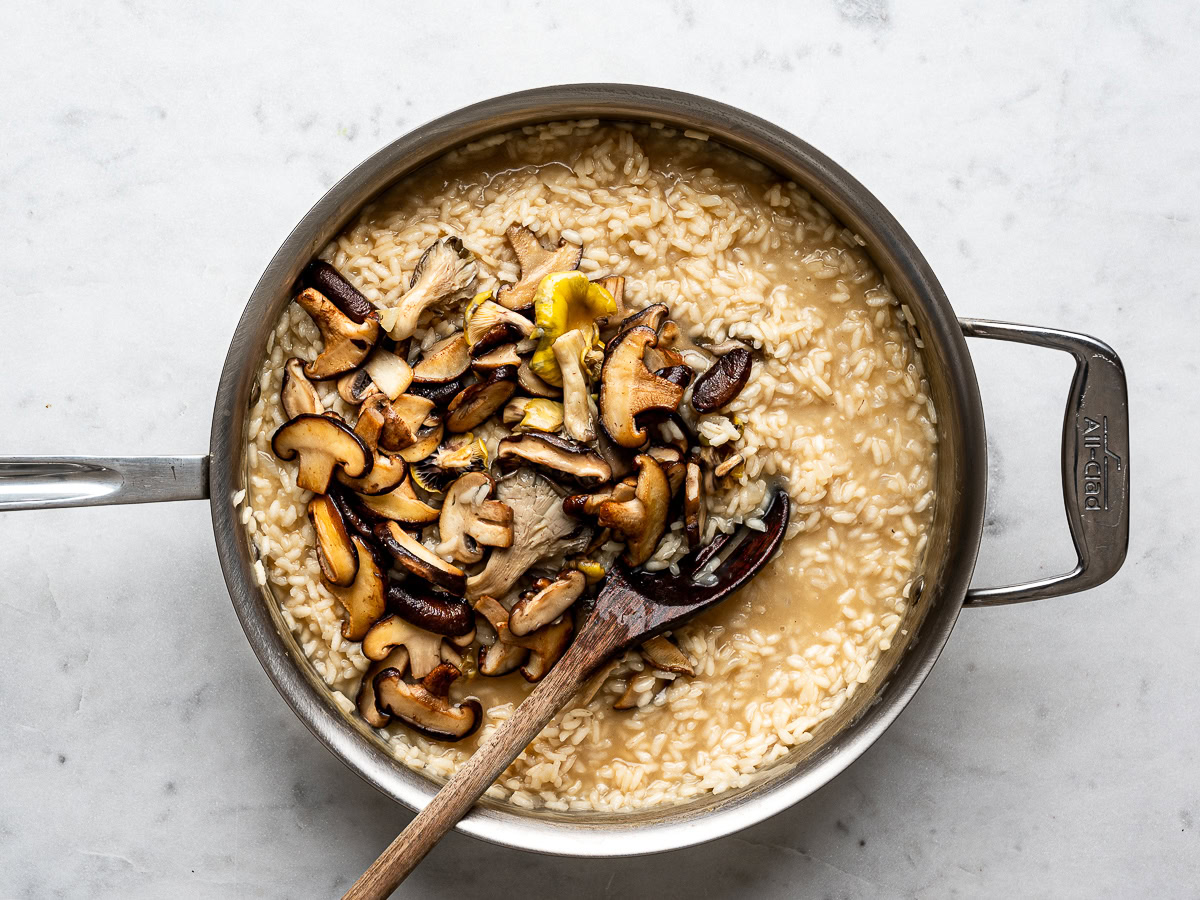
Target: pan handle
[[50, 482], [1095, 462]]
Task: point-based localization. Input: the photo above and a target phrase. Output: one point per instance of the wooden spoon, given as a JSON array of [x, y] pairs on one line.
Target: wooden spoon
[[630, 608]]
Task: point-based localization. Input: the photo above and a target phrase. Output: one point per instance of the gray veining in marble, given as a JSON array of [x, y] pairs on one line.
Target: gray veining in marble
[[152, 156]]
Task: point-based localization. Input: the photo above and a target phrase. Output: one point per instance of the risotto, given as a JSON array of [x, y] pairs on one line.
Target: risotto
[[753, 275]]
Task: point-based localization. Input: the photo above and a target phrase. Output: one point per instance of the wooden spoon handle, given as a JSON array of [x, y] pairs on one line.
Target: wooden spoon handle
[[486, 764]]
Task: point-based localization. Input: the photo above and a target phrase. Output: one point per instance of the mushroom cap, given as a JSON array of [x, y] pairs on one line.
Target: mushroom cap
[[445, 361], [723, 381], [322, 443], [329, 281], [347, 342], [476, 403], [401, 504], [297, 395], [424, 707], [427, 439], [355, 386], [417, 559], [628, 389], [539, 608], [387, 473], [424, 647], [643, 519], [554, 454], [403, 419], [364, 599], [431, 609], [365, 699]]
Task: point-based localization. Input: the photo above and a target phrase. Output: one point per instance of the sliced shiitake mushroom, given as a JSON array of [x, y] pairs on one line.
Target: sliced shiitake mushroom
[[355, 386], [504, 355], [403, 419], [323, 444], [445, 361], [552, 453], [335, 551], [538, 608], [499, 658], [347, 342], [330, 282], [628, 389], [390, 373], [531, 383], [401, 504], [297, 394], [365, 701], [387, 473], [695, 512], [589, 504], [439, 394], [372, 416], [424, 706], [666, 657], [469, 521], [678, 375], [428, 439], [363, 600], [546, 646], [652, 317], [641, 520], [724, 380], [431, 609], [417, 559], [475, 404], [536, 263], [445, 270], [391, 631]]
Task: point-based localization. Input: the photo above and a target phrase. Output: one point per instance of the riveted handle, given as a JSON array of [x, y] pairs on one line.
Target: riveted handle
[[1095, 462], [50, 482]]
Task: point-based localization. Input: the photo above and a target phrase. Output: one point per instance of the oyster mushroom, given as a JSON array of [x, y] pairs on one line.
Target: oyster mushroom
[[425, 707], [475, 404], [330, 282], [541, 529], [363, 600], [347, 342], [336, 553], [695, 513], [553, 454], [469, 521], [579, 409], [538, 608], [487, 325], [445, 270], [642, 519], [533, 414], [401, 504], [628, 389], [445, 361], [723, 381], [297, 395], [432, 610], [536, 263], [417, 559], [323, 444]]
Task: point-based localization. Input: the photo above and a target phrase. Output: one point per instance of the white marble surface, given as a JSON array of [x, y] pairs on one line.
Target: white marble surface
[[153, 156]]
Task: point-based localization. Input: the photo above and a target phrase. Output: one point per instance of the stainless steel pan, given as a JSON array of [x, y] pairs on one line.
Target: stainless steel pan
[[1095, 474]]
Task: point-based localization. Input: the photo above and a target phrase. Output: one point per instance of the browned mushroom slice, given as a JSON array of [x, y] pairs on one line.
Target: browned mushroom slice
[[541, 607], [389, 372], [330, 282], [365, 701], [428, 439], [424, 647], [628, 700], [488, 325], [462, 453], [417, 559], [475, 404], [500, 658], [533, 385], [401, 504], [589, 504], [444, 361], [403, 419], [536, 263], [652, 317], [469, 521], [556, 455], [695, 512], [592, 686], [363, 599], [546, 646], [678, 375], [356, 386], [322, 443], [666, 455], [387, 473], [297, 395], [643, 519], [425, 706], [628, 389], [666, 657], [335, 551], [439, 394], [504, 355], [371, 418], [347, 342], [724, 380], [445, 270], [430, 609]]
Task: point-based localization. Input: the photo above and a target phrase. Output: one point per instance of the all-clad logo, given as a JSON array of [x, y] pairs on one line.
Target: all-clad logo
[[1099, 460]]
